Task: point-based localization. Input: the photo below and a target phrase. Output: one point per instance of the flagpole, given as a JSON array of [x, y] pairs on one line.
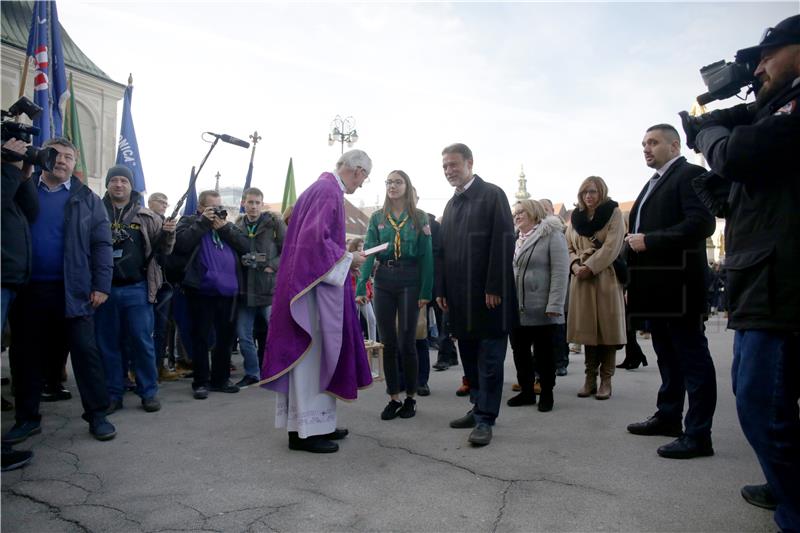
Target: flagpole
[[50, 67], [24, 81]]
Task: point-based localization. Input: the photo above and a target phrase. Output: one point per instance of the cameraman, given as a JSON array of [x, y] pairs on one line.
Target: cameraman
[[20, 205], [757, 190], [210, 246], [265, 233]]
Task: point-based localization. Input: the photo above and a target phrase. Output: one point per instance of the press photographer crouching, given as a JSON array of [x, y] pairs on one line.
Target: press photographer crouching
[[753, 153]]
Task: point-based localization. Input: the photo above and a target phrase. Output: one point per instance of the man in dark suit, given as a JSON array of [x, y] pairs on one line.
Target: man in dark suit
[[668, 229], [476, 285]]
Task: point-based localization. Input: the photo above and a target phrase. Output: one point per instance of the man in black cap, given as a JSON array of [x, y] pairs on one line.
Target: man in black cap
[[127, 317], [752, 150]]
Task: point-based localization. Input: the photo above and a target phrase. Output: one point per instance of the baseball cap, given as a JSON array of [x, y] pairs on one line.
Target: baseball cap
[[786, 32]]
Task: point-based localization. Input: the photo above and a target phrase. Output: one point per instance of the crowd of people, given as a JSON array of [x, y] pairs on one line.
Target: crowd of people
[[108, 275]]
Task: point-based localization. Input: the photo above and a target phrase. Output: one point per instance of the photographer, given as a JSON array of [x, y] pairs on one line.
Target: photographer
[[753, 153], [20, 206], [70, 278], [265, 233], [210, 245]]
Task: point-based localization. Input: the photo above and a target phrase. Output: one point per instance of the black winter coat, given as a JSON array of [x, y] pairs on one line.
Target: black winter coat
[[669, 279], [476, 256], [20, 206], [762, 228], [259, 285]]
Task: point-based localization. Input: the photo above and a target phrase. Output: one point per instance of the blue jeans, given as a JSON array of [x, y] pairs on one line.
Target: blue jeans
[[127, 319], [244, 329], [686, 368], [766, 383], [7, 297], [483, 366]]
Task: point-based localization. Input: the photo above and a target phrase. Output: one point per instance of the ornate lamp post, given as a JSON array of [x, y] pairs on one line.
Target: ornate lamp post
[[343, 130]]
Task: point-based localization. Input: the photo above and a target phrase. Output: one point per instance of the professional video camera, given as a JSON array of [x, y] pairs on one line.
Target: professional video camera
[[255, 260], [45, 158], [724, 79], [220, 211]]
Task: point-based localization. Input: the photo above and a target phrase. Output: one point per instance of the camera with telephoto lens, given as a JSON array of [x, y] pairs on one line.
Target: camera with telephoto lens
[[220, 211], [255, 260], [45, 158]]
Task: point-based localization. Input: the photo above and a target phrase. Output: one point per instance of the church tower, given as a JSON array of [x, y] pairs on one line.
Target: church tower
[[522, 193]]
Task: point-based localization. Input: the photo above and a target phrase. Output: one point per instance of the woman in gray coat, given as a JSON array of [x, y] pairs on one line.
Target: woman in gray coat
[[541, 274]]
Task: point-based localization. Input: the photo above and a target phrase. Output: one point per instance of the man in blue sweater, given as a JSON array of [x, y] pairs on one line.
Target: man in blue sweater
[[71, 276]]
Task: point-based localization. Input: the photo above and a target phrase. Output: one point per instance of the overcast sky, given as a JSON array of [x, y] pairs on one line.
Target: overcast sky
[[565, 89]]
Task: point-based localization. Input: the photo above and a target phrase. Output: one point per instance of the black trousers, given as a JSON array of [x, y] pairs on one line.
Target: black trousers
[[207, 313], [40, 330], [545, 342], [686, 368], [396, 311]]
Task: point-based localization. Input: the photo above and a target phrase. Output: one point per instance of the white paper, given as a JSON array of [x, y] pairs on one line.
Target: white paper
[[376, 249]]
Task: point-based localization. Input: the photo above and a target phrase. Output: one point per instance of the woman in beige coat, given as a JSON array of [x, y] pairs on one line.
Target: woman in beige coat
[[596, 315]]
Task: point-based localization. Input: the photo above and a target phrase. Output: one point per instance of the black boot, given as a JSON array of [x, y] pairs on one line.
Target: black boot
[[546, 400], [311, 444]]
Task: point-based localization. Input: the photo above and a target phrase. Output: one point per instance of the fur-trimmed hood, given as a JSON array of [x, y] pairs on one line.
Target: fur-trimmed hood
[[547, 226]]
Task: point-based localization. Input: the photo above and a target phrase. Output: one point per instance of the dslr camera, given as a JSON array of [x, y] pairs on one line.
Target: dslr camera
[[220, 211], [45, 158]]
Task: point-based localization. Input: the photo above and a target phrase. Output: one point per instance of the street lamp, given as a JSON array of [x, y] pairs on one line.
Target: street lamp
[[343, 130]]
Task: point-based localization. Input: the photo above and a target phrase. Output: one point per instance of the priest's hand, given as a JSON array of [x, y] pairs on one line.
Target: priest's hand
[[358, 259], [492, 300], [441, 301], [422, 303], [361, 300]]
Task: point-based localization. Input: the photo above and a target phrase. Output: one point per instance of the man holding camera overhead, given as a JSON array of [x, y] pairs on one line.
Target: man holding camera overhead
[[752, 151], [126, 320], [210, 245]]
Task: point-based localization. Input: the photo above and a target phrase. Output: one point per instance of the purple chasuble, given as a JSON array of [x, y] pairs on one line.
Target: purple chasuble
[[314, 243]]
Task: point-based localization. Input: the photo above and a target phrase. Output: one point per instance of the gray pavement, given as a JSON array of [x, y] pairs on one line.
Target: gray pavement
[[219, 465]]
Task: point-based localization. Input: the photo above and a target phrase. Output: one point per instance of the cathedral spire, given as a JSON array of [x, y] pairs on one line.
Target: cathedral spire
[[522, 193]]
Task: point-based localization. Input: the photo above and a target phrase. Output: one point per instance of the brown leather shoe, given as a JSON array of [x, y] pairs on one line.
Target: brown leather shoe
[[165, 374], [463, 390]]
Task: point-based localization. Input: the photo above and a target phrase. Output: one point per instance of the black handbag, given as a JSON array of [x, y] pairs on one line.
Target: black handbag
[[619, 264]]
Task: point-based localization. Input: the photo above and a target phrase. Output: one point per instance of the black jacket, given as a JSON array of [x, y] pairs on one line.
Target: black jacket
[[477, 251], [259, 285], [762, 228], [668, 279], [20, 206], [187, 243]]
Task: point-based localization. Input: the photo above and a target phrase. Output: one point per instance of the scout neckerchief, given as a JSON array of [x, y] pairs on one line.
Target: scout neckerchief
[[397, 227], [252, 228]]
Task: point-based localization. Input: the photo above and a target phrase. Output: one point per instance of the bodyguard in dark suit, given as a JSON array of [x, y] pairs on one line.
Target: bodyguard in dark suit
[[668, 229], [476, 285]]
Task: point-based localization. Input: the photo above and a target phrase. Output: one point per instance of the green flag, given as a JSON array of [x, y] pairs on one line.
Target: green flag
[[289, 195], [72, 131]]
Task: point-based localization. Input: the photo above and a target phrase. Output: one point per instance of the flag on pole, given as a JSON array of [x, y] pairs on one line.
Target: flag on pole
[[289, 194], [72, 131], [128, 148], [190, 207], [247, 181], [50, 81]]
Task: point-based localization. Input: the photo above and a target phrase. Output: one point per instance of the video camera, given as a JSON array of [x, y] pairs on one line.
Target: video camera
[[725, 79], [255, 260], [45, 158]]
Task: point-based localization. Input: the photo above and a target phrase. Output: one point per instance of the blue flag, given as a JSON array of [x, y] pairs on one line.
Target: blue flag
[[128, 149], [50, 81], [190, 207], [247, 181]]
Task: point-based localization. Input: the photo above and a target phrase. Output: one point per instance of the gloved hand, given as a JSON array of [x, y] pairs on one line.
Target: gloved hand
[[730, 118], [713, 191]]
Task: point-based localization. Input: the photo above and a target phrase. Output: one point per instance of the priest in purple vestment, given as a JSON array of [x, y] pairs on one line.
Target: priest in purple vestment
[[315, 347]]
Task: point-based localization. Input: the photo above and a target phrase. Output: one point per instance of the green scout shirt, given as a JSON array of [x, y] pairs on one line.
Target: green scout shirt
[[413, 245]]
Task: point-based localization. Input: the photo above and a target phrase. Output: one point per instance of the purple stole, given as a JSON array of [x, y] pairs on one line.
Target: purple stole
[[314, 243]]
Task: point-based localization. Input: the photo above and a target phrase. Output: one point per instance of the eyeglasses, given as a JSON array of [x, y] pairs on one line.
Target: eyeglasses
[[396, 183], [589, 191], [366, 174]]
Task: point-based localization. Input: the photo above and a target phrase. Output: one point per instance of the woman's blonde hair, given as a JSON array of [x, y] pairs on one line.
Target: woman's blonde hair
[[534, 209], [602, 189]]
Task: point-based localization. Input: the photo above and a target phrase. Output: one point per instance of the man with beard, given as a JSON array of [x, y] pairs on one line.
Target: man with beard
[[752, 151]]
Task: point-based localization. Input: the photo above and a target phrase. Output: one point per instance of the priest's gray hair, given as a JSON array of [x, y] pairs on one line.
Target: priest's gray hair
[[354, 159]]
